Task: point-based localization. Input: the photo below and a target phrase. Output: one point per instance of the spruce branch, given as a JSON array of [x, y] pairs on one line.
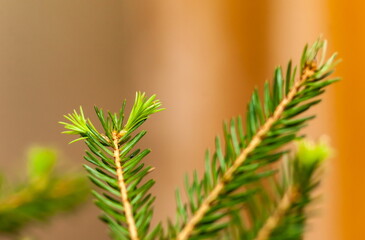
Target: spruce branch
[[269, 127], [118, 170], [256, 140]]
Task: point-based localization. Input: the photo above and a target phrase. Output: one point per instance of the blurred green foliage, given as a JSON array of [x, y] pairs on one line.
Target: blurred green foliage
[[42, 194]]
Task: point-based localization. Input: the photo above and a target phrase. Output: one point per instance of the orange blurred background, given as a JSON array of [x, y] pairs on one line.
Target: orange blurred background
[[203, 59]]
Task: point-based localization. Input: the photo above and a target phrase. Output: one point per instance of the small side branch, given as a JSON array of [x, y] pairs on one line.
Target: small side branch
[[123, 190], [273, 221]]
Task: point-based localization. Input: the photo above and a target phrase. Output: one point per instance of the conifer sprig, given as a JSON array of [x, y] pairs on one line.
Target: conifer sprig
[[118, 170], [42, 193], [269, 126], [302, 176], [278, 210]]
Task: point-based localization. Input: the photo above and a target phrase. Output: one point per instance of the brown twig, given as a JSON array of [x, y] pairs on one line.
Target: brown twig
[[123, 190], [272, 222]]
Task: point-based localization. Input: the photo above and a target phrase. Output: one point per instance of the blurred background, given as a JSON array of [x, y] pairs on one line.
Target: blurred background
[[202, 59]]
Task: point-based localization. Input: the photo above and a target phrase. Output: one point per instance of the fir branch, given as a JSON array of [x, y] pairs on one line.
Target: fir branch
[[118, 170], [256, 140], [269, 127]]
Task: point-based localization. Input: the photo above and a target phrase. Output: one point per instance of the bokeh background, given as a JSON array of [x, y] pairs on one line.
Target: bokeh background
[[202, 58]]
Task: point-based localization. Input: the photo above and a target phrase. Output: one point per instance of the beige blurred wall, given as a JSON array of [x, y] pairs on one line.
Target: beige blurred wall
[[347, 27], [202, 58]]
